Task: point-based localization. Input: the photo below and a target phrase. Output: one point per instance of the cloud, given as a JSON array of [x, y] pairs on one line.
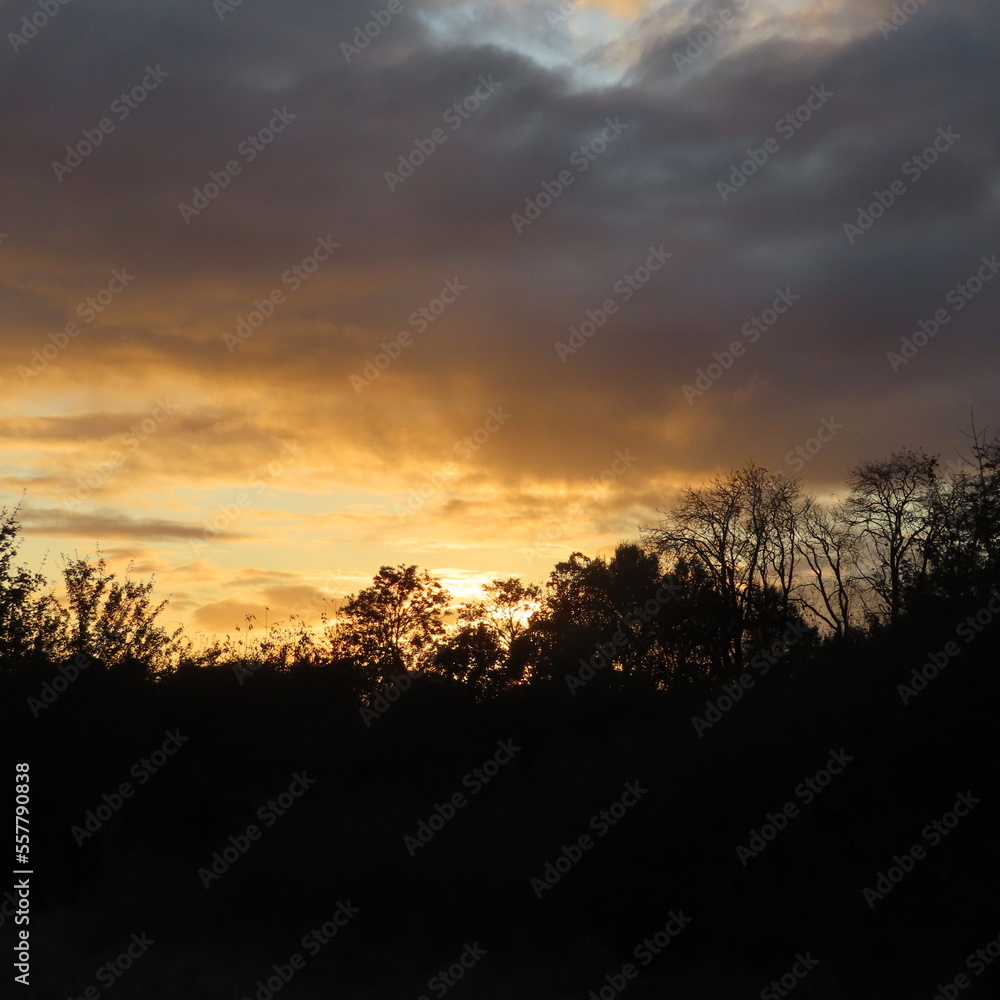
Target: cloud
[[227, 615], [101, 525], [658, 180]]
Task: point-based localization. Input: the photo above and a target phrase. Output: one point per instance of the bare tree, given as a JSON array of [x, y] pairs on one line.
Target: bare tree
[[893, 503], [741, 529], [774, 514], [831, 588], [964, 552]]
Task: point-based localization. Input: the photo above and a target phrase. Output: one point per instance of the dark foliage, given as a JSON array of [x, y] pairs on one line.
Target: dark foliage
[[632, 670]]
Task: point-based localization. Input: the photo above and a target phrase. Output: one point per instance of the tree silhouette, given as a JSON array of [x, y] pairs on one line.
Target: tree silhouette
[[742, 530], [724, 573], [895, 504], [479, 651], [395, 624], [588, 601], [831, 550], [963, 553], [114, 621], [505, 611], [474, 656], [31, 626]]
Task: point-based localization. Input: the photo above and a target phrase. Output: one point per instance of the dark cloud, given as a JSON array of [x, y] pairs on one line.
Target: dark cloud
[[112, 525], [653, 181]]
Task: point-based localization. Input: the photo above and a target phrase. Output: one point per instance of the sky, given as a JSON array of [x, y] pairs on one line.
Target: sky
[[292, 291]]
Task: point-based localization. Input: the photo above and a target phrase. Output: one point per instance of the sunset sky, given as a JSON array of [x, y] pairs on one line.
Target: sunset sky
[[219, 221]]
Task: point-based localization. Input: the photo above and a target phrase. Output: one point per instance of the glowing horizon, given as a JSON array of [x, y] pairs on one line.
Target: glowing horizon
[[415, 300]]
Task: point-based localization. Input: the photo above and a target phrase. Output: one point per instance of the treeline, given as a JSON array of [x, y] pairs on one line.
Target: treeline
[[626, 672], [745, 563]]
